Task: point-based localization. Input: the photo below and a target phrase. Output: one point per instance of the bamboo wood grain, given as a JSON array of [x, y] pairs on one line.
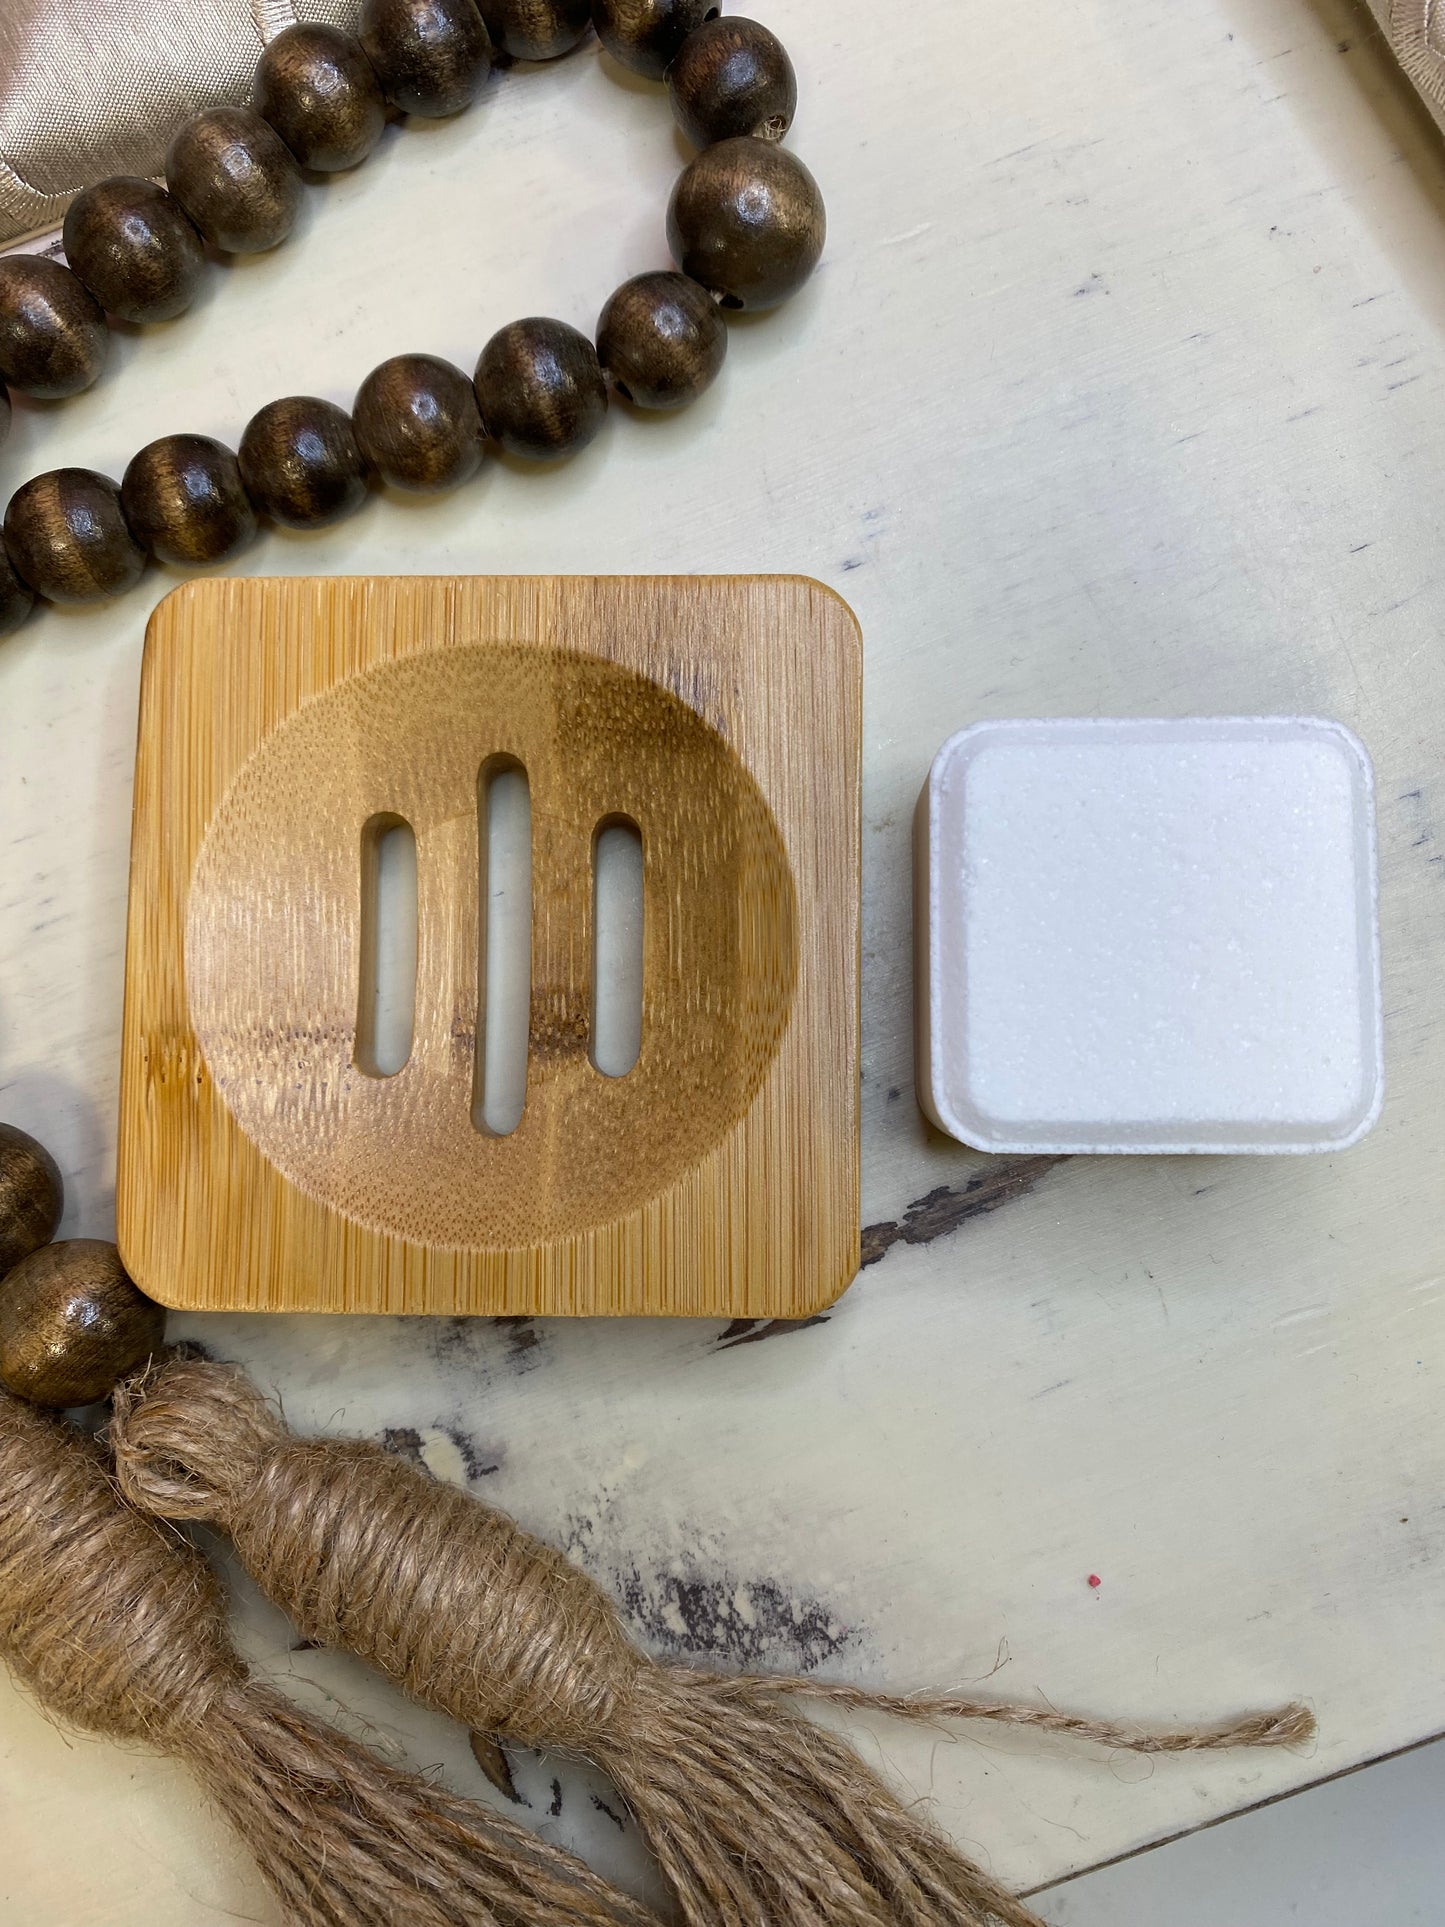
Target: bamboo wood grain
[[262, 1167]]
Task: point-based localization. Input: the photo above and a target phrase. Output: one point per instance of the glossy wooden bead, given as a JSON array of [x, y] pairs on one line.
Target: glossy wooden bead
[[431, 56], [417, 423], [68, 538], [32, 1196], [732, 77], [53, 337], [236, 179], [300, 462], [17, 598], [540, 389], [319, 91], [661, 340], [646, 35], [134, 248], [72, 1324], [184, 500], [536, 29], [747, 221]]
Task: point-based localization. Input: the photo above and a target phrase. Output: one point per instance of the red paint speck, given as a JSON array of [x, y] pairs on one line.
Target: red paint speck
[[1095, 1581]]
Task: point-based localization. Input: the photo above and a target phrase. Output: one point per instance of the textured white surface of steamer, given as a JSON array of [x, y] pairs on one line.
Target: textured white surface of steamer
[[1150, 935]]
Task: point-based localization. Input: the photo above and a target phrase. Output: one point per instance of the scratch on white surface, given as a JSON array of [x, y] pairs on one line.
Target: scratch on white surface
[[1300, 1315]]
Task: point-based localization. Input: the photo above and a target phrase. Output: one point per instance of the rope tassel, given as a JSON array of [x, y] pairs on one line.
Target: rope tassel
[[118, 1625], [758, 1816]]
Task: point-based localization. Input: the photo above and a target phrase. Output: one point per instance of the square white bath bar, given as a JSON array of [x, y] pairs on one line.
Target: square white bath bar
[[1149, 936]]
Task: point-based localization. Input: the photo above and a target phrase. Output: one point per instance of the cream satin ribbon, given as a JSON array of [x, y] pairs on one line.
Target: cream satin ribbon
[[96, 87]]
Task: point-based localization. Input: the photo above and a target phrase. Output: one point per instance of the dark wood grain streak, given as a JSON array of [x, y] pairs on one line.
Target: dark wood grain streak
[[949, 1206], [747, 1331]]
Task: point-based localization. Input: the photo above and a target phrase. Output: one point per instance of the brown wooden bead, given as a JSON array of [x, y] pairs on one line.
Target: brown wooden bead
[[236, 179], [319, 91], [67, 537], [184, 500], [431, 56], [536, 29], [661, 340], [732, 77], [32, 1196], [16, 597], [300, 462], [747, 221], [417, 423], [53, 337], [540, 388], [5, 411], [72, 1324], [133, 247], [646, 35]]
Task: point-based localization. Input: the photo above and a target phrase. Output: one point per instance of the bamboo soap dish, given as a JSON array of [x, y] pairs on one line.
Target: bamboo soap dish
[[266, 1165]]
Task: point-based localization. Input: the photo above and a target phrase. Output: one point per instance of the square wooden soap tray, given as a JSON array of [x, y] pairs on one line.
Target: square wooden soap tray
[[263, 1168]]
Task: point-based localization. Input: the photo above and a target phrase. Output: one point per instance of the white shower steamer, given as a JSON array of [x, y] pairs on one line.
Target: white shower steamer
[[1149, 935]]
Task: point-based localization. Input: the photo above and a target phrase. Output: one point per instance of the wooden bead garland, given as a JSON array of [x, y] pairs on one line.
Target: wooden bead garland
[[185, 501], [53, 337], [746, 221], [72, 1324], [732, 77], [320, 93], [647, 35], [417, 423], [134, 248], [236, 178], [661, 340], [32, 1196], [746, 227], [540, 389], [432, 57], [536, 29], [67, 536], [300, 463]]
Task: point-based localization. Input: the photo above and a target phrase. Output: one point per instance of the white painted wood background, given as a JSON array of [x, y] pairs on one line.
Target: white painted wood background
[[1120, 390]]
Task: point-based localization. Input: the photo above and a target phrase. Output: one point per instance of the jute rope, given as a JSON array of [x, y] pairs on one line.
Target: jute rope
[[118, 1625], [758, 1816]]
